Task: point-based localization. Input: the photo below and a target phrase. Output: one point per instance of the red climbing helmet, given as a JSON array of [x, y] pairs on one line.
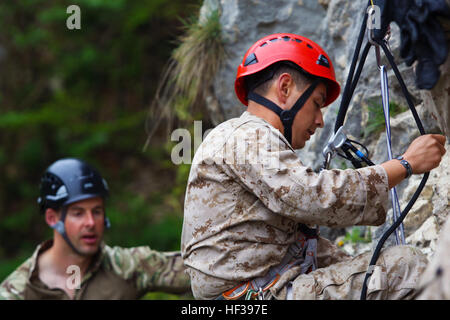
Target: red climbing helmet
[[287, 47]]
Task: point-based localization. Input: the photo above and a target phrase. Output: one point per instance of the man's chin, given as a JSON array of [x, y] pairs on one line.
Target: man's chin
[[88, 250], [298, 146]]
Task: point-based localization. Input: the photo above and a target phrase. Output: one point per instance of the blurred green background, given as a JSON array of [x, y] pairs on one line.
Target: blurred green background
[[86, 93]]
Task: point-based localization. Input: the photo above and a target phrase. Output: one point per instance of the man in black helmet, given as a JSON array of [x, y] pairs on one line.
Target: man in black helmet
[[76, 264]]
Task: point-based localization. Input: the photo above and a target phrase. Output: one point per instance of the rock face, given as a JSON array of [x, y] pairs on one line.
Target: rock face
[[335, 25]]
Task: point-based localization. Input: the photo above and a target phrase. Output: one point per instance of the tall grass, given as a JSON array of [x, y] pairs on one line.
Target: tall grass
[[188, 75]]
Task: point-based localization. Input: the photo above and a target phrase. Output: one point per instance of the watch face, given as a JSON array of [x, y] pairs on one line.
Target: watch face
[[407, 167]]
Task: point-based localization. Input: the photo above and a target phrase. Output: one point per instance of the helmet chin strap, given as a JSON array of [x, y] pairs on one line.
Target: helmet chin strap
[[61, 229], [286, 116]]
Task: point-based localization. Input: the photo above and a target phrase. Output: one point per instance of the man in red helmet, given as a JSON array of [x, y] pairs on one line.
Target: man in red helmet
[[250, 201]]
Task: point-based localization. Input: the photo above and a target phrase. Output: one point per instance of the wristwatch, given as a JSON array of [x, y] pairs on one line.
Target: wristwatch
[[407, 166]]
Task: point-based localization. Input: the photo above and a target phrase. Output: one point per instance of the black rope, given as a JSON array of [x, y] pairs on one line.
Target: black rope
[[405, 91], [345, 100], [349, 89]]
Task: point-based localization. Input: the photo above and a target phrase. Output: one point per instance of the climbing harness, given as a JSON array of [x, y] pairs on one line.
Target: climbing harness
[[302, 253], [339, 142]]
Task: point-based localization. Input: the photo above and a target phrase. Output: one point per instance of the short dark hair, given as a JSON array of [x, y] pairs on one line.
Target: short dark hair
[[261, 81]]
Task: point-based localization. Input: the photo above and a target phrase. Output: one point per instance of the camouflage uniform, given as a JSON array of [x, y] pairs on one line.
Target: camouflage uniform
[[246, 194], [115, 273], [435, 282]]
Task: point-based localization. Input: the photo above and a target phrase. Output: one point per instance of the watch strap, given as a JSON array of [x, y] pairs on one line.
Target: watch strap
[[407, 166]]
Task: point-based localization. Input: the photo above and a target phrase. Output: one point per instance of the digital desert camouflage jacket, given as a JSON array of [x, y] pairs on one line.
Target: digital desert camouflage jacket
[[116, 273], [248, 191]]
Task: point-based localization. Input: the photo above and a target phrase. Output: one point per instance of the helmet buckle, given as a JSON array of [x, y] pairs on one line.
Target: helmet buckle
[[286, 116]]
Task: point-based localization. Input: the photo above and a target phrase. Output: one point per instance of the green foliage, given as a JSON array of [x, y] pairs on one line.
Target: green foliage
[[85, 93], [188, 76], [153, 221], [376, 122], [342, 164], [355, 236], [11, 264]]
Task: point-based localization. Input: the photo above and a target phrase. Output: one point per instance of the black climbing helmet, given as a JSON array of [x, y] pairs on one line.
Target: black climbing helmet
[[69, 180]]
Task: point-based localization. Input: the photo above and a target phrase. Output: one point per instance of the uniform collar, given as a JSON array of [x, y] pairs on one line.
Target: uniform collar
[[39, 249], [95, 265], [247, 116]]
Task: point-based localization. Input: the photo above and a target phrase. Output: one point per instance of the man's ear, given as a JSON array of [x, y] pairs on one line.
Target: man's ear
[[284, 87], [51, 216]]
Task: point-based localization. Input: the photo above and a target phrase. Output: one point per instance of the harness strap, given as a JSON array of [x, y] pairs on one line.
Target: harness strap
[[310, 263], [307, 231]]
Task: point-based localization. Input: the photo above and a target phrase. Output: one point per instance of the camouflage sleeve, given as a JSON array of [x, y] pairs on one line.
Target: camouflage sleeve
[[149, 269], [275, 174], [13, 287]]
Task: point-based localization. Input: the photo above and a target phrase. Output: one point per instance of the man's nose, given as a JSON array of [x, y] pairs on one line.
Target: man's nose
[[319, 119], [89, 219]]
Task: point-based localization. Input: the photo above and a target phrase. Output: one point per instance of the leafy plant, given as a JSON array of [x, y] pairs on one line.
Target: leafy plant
[[355, 236], [376, 122], [189, 73]]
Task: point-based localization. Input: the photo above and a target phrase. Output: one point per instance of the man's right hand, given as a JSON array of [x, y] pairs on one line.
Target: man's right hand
[[425, 152]]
